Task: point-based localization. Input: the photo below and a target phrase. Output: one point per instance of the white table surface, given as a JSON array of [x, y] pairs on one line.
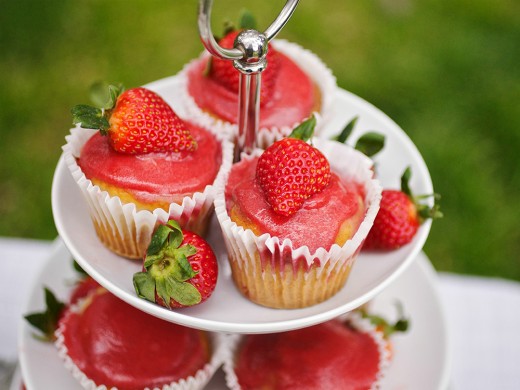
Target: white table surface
[[483, 317]]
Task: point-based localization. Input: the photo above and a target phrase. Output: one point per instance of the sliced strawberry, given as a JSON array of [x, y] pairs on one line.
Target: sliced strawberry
[[137, 121], [291, 171], [180, 268]]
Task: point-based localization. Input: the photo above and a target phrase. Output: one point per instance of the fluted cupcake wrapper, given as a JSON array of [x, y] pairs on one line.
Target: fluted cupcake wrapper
[[120, 226], [273, 273], [219, 342], [353, 318], [309, 62]]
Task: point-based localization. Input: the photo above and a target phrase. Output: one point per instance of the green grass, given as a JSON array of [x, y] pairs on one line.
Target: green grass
[[446, 71]]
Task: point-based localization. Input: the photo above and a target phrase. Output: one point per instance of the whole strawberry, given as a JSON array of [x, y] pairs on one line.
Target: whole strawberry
[[399, 217], [137, 121], [224, 73], [291, 170], [180, 268]]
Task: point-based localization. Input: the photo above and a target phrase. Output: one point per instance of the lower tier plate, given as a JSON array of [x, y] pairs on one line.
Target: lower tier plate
[[421, 356]]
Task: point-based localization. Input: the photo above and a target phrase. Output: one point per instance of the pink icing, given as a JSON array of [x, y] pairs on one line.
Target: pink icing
[[154, 176], [316, 224], [331, 355], [292, 101], [117, 345]]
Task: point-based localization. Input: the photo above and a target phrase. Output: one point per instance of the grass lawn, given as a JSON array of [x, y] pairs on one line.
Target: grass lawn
[[446, 71]]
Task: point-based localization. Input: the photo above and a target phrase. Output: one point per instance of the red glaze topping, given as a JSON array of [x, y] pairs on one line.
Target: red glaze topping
[[331, 355], [292, 100], [154, 176], [316, 224], [115, 344]]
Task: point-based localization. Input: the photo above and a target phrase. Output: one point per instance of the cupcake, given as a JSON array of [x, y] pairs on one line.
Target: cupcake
[[293, 225], [295, 85], [151, 166], [107, 343], [338, 354]]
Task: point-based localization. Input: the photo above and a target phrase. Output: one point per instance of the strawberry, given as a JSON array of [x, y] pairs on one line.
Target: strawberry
[[400, 215], [137, 121], [224, 73], [180, 268], [291, 170]]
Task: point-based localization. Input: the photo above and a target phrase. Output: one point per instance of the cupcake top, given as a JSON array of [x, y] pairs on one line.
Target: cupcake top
[[316, 224], [295, 84], [332, 355], [114, 344], [288, 94], [156, 176]]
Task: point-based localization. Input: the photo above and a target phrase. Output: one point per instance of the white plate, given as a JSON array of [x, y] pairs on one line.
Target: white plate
[[227, 310], [421, 359]]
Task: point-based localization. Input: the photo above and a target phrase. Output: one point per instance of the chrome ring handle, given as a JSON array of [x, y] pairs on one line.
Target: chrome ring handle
[[249, 58], [211, 45]]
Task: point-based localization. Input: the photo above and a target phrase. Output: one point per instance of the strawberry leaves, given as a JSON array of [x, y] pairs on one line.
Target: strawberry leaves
[[47, 321], [423, 210], [369, 143], [168, 269], [104, 98], [90, 117], [402, 324], [304, 130]]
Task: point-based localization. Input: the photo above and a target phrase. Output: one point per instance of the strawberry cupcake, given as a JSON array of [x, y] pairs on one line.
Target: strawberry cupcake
[[294, 218], [339, 354], [107, 343], [138, 164], [295, 85]]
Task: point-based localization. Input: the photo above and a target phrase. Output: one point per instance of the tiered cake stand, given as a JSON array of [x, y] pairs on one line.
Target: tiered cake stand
[[421, 358]]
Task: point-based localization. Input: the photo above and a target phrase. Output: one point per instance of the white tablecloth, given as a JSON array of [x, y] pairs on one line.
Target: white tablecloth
[[483, 317]]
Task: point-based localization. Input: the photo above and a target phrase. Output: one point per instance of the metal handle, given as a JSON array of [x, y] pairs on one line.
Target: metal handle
[[248, 56]]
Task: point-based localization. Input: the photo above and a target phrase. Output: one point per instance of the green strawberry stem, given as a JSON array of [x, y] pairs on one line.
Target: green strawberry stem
[[247, 20], [423, 210], [347, 130], [304, 130], [90, 117], [167, 269], [401, 325], [369, 143], [47, 321]]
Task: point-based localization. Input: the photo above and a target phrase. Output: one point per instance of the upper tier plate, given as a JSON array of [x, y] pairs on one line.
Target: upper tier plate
[[227, 310]]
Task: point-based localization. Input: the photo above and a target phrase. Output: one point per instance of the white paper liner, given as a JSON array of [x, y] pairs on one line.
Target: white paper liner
[[123, 228], [353, 318], [245, 248], [309, 62], [219, 346]]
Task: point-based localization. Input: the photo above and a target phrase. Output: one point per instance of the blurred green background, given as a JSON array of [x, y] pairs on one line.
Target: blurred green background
[[447, 71]]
